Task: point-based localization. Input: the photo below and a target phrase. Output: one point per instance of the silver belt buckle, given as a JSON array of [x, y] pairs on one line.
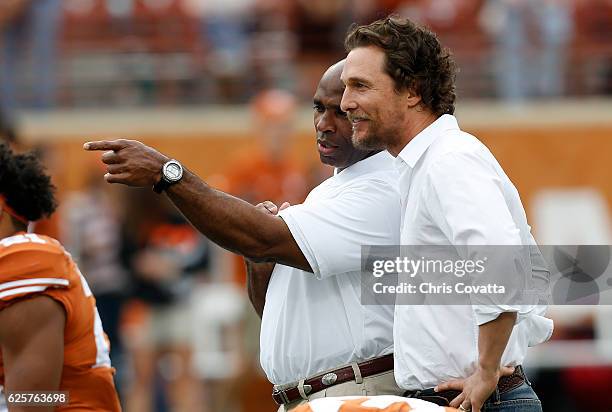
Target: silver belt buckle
[[329, 379]]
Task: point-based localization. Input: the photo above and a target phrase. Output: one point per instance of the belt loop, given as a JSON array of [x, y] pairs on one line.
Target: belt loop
[[357, 372], [521, 373], [304, 390], [412, 394], [284, 399]]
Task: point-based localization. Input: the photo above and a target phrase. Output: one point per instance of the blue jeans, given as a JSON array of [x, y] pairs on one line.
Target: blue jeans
[[522, 399]]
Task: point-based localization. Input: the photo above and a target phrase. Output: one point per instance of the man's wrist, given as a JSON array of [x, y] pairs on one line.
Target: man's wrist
[[171, 173], [157, 177], [162, 160], [488, 368]]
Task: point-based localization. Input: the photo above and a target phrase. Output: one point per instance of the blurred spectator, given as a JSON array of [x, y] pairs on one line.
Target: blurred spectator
[[593, 46], [28, 33], [219, 356], [531, 39], [273, 46], [167, 255], [267, 171], [435, 13], [225, 30], [90, 228], [366, 11], [317, 24]]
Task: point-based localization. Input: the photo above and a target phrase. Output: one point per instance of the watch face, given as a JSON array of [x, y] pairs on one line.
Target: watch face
[[173, 171]]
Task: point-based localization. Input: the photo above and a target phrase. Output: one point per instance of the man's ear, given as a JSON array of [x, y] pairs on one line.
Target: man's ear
[[412, 99]]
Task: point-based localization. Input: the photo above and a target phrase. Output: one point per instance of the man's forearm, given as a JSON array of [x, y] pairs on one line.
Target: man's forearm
[[221, 217], [228, 221], [492, 340], [258, 278], [233, 223]]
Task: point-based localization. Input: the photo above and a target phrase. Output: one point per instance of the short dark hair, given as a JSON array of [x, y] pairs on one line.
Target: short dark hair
[[415, 60], [25, 185]]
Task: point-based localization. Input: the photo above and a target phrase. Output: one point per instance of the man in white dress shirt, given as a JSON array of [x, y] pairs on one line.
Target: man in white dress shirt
[[400, 96], [317, 340]]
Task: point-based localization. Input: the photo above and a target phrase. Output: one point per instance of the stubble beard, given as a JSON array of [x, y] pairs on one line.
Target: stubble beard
[[375, 138]]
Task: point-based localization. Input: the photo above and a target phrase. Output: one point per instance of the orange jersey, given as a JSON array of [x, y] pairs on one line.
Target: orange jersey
[[34, 264]]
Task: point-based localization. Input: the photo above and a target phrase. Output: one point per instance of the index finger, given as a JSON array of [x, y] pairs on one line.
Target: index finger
[[451, 385], [105, 145]]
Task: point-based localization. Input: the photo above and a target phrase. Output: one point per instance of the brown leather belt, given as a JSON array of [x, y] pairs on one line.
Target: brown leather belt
[[444, 398], [335, 377]]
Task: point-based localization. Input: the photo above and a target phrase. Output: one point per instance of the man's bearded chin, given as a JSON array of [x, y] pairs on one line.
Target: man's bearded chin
[[370, 141]]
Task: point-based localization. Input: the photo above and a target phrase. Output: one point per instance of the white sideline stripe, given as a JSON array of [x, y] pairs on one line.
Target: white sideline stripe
[[26, 289], [37, 281]]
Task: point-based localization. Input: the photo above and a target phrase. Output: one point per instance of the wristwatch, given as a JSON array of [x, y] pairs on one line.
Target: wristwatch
[[171, 173]]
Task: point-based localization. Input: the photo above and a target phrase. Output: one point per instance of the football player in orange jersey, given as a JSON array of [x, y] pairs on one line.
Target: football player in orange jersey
[[51, 336]]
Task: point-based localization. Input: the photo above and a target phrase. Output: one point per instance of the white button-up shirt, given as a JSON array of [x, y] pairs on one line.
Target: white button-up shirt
[[315, 322], [454, 192]]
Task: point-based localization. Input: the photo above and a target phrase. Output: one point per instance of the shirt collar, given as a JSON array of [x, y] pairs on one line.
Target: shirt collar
[[412, 152], [379, 161]]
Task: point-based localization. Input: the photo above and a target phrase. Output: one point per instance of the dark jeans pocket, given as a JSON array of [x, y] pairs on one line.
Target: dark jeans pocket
[[515, 405], [519, 399]]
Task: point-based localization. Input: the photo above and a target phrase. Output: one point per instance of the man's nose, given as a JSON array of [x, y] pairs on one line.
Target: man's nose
[[347, 103], [324, 123]]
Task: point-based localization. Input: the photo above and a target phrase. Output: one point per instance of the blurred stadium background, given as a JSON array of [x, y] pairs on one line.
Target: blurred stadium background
[[225, 86]]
